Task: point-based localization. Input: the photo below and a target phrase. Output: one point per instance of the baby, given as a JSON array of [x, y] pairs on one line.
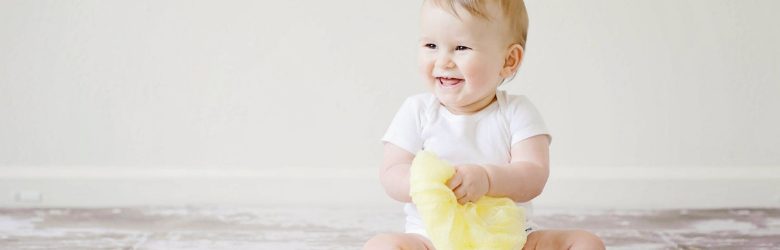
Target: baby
[[497, 142]]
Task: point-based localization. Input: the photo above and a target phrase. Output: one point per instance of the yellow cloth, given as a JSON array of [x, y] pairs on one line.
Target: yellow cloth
[[490, 223]]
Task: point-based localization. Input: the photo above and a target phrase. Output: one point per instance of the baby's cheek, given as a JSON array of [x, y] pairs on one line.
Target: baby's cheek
[[478, 77], [484, 77], [424, 63], [425, 72]]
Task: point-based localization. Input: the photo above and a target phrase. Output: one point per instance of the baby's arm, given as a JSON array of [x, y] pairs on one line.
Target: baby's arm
[[394, 173], [521, 180], [525, 176]]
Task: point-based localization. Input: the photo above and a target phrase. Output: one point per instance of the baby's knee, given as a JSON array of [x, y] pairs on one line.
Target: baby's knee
[[393, 241], [586, 240]]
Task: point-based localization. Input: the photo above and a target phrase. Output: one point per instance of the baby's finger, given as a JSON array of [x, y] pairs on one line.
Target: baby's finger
[[455, 181], [459, 193], [469, 198], [464, 199]]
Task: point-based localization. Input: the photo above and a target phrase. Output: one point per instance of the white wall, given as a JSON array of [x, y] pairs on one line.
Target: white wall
[[210, 83], [658, 83], [128, 86]]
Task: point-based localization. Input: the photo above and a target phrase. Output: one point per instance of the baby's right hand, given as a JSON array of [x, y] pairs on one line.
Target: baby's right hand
[[469, 183]]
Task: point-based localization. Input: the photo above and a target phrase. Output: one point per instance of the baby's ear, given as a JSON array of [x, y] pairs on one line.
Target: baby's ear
[[512, 60]]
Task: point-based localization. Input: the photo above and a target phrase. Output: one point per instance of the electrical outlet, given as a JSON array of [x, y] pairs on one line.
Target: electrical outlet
[[29, 196]]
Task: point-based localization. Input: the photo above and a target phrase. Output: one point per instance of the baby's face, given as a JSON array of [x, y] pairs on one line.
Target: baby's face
[[461, 59]]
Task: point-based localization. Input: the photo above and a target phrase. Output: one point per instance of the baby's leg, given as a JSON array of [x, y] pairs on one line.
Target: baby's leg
[[398, 241], [563, 239]]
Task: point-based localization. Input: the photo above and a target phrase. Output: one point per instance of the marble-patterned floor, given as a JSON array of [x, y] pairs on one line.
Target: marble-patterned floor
[[290, 227]]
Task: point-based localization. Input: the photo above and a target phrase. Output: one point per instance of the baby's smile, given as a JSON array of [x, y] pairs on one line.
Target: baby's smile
[[448, 82]]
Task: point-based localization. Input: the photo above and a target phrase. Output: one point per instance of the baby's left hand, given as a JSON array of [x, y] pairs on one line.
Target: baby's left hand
[[469, 183]]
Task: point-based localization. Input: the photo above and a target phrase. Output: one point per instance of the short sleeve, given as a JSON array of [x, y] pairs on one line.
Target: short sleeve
[[525, 120], [405, 129]]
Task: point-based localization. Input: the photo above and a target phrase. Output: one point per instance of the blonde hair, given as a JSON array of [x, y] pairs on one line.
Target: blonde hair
[[514, 11]]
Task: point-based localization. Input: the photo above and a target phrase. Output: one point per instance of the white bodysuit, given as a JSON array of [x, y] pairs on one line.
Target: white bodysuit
[[485, 137]]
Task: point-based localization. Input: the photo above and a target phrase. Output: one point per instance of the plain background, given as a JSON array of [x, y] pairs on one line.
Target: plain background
[[113, 86]]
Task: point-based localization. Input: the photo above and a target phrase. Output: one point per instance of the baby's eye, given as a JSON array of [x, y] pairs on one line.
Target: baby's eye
[[430, 46], [462, 48]]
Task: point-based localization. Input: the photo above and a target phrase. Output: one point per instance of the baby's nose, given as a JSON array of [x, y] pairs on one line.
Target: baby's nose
[[445, 61]]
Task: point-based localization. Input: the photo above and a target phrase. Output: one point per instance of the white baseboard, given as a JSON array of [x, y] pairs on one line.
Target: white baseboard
[[568, 187]]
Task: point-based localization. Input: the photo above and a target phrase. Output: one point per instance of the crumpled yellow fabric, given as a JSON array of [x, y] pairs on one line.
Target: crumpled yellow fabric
[[490, 223]]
